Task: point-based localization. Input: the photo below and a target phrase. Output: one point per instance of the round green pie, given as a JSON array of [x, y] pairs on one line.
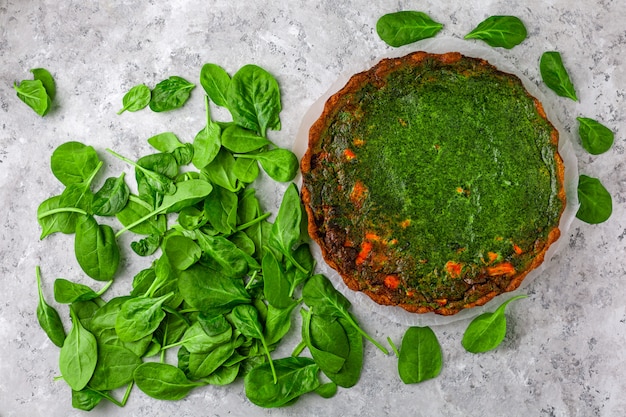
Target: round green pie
[[433, 182]]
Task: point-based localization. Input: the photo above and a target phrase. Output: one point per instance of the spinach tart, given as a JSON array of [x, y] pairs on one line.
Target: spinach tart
[[433, 182]]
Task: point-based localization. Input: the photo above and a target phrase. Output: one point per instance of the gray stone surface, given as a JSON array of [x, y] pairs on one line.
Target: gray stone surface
[[564, 354]]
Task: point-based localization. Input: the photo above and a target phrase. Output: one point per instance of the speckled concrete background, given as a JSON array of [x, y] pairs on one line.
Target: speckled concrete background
[[564, 354]]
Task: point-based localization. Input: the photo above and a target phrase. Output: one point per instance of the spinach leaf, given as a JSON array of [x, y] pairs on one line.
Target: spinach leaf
[[163, 381], [202, 365], [165, 142], [187, 194], [595, 137], [183, 155], [207, 142], [295, 377], [114, 368], [215, 81], [326, 340], [86, 399], [220, 171], [182, 251], [276, 285], [220, 209], [277, 323], [596, 204], [67, 292], [288, 228], [200, 339], [139, 317], [223, 255], [78, 356], [96, 249], [405, 27], [33, 93], [254, 99], [111, 198], [555, 75], [48, 317], [137, 98], [139, 218], [211, 292], [47, 80], [73, 162], [170, 94], [239, 140], [53, 217], [246, 170], [246, 319], [500, 31], [280, 164], [486, 331], [319, 294], [420, 355]]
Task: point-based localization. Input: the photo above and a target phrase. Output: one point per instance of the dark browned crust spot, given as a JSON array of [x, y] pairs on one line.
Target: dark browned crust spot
[[383, 295]]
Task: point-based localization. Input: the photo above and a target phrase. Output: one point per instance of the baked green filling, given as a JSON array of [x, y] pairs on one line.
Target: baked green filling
[[455, 173]]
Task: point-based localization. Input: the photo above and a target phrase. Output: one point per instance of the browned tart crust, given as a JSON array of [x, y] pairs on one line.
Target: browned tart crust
[[433, 182]]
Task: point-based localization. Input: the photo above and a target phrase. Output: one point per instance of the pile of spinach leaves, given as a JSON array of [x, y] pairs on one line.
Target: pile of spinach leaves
[[222, 292]]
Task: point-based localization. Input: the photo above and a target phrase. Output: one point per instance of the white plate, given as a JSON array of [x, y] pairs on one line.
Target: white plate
[[441, 45]]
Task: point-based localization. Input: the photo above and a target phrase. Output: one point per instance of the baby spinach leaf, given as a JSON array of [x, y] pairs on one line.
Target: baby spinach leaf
[[136, 209], [500, 31], [486, 331], [170, 94], [319, 294], [350, 372], [96, 249], [33, 93], [137, 98], [48, 317], [163, 381], [73, 162], [276, 285], [326, 340], [78, 356], [254, 99], [404, 27], [596, 204], [86, 399], [239, 140], [224, 255], [287, 230], [139, 317], [277, 323], [111, 198], [220, 209], [246, 319], [202, 365], [555, 75], [115, 367], [215, 81], [211, 292], [595, 137], [47, 80], [199, 339], [77, 196], [67, 292], [420, 355], [183, 154], [296, 376], [165, 142], [246, 170], [207, 142], [182, 252], [280, 164], [53, 217], [187, 194], [220, 171]]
